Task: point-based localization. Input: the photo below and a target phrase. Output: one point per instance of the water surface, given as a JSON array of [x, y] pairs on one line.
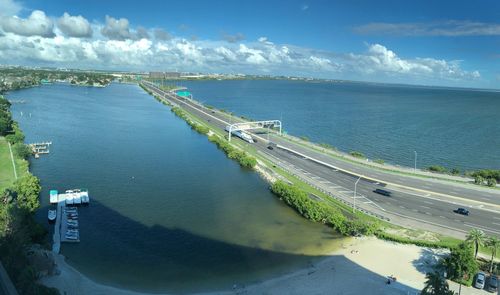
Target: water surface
[[455, 128], [169, 212]]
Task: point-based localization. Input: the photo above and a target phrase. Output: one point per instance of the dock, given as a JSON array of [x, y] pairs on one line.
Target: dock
[[39, 148], [66, 228]]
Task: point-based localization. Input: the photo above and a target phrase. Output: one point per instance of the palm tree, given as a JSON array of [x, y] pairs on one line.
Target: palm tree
[[477, 237], [436, 285], [493, 244]]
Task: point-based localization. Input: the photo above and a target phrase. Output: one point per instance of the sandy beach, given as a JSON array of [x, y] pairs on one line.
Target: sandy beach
[[360, 267]]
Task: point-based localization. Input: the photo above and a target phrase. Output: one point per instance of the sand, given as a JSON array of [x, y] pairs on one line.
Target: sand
[[360, 267]]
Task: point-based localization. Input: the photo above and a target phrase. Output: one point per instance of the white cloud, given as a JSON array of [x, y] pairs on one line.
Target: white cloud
[[162, 35], [448, 28], [9, 8], [116, 29], [74, 26], [37, 24]]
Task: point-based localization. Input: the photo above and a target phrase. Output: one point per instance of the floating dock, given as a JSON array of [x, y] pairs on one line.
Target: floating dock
[[66, 229], [39, 148]]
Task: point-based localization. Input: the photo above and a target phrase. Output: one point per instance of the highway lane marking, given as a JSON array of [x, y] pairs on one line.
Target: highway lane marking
[[497, 218], [345, 192], [442, 216], [481, 227], [495, 223], [425, 207], [402, 207], [427, 202], [428, 213]]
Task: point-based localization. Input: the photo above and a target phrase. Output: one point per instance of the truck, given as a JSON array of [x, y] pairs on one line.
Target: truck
[[241, 134]]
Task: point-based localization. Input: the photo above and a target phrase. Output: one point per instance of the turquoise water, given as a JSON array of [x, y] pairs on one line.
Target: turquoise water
[[455, 128], [169, 212]]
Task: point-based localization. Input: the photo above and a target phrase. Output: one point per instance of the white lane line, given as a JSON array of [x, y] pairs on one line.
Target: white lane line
[[427, 202], [345, 192], [425, 207], [324, 181], [442, 216], [497, 218], [427, 195], [402, 207], [369, 202], [481, 227], [334, 186], [456, 220], [495, 223], [428, 213]]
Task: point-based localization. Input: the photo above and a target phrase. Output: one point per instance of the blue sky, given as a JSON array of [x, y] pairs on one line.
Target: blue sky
[[449, 43]]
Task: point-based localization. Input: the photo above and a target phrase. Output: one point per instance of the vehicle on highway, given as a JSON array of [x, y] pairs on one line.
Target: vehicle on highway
[[493, 284], [382, 192], [479, 282], [462, 211], [241, 134], [271, 145]]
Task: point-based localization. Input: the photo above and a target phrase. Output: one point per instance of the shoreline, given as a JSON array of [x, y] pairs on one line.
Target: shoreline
[[360, 264]]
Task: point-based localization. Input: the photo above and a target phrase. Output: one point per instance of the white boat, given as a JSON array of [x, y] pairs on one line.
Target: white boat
[[52, 215], [53, 196], [69, 199], [76, 199], [85, 197]]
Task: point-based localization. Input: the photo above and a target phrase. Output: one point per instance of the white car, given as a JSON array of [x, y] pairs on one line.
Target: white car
[[479, 282]]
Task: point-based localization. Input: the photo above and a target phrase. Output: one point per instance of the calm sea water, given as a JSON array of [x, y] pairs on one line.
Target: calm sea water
[[169, 212], [455, 128]]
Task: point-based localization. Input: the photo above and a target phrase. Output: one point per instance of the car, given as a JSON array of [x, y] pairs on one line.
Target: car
[[462, 211], [493, 284], [382, 192], [479, 282]]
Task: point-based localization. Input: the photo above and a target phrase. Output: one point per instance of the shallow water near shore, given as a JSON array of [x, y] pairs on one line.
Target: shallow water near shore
[[169, 211]]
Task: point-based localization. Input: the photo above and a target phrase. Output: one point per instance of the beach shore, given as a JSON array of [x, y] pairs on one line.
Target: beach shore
[[361, 266]]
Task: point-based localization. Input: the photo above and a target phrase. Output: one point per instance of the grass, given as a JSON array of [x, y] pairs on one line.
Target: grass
[[6, 170]]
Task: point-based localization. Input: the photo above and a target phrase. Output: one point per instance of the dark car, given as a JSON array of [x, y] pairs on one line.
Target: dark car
[[493, 284], [462, 211], [382, 192]]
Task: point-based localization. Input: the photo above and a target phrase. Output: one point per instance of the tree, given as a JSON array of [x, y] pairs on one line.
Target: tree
[[478, 179], [436, 285], [477, 237], [28, 188], [461, 262], [491, 182], [493, 243], [22, 150]]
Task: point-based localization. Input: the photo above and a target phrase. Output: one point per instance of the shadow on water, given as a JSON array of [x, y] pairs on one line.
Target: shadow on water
[[118, 251]]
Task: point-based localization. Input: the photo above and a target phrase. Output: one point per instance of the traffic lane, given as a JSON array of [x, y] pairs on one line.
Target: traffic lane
[[492, 197], [434, 211]]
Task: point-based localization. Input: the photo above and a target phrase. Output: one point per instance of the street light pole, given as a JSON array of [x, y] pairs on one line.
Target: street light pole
[[354, 197], [415, 169]]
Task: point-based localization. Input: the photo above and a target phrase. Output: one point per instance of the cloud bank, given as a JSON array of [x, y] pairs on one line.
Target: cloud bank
[[71, 41]]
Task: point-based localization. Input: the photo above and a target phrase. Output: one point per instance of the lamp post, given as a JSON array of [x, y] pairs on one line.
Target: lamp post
[[354, 196], [415, 169]]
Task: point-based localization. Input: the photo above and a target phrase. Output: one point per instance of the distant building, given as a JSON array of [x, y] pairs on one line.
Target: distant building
[[164, 75]]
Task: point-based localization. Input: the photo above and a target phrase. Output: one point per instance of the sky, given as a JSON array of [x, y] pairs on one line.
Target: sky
[[444, 43]]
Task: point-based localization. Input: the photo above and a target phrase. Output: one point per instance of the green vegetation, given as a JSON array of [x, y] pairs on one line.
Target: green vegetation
[[22, 150], [460, 265], [477, 237], [356, 154], [379, 161], [488, 177], [5, 117], [493, 244], [436, 285], [455, 171], [233, 153], [437, 168], [304, 138], [321, 212], [327, 146]]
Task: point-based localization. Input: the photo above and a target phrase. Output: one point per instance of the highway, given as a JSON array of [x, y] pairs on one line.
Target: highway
[[413, 202]]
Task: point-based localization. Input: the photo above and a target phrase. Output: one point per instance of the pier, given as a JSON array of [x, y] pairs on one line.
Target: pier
[[66, 229], [40, 148]]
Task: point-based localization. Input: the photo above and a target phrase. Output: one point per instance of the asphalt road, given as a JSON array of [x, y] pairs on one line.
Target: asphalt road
[[405, 202]]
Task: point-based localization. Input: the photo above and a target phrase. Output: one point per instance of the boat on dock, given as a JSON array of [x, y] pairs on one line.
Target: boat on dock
[[52, 215], [53, 196]]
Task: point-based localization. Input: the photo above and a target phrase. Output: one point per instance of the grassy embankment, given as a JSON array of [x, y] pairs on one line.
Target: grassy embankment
[[18, 203]]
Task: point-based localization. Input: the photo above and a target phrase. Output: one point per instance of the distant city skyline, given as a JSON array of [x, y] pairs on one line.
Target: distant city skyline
[[440, 43]]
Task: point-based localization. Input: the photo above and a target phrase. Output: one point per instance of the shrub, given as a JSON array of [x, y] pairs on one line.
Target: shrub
[[491, 182], [22, 150], [304, 138], [437, 168], [243, 159], [327, 146], [478, 179], [379, 161], [357, 155], [455, 171], [487, 174]]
